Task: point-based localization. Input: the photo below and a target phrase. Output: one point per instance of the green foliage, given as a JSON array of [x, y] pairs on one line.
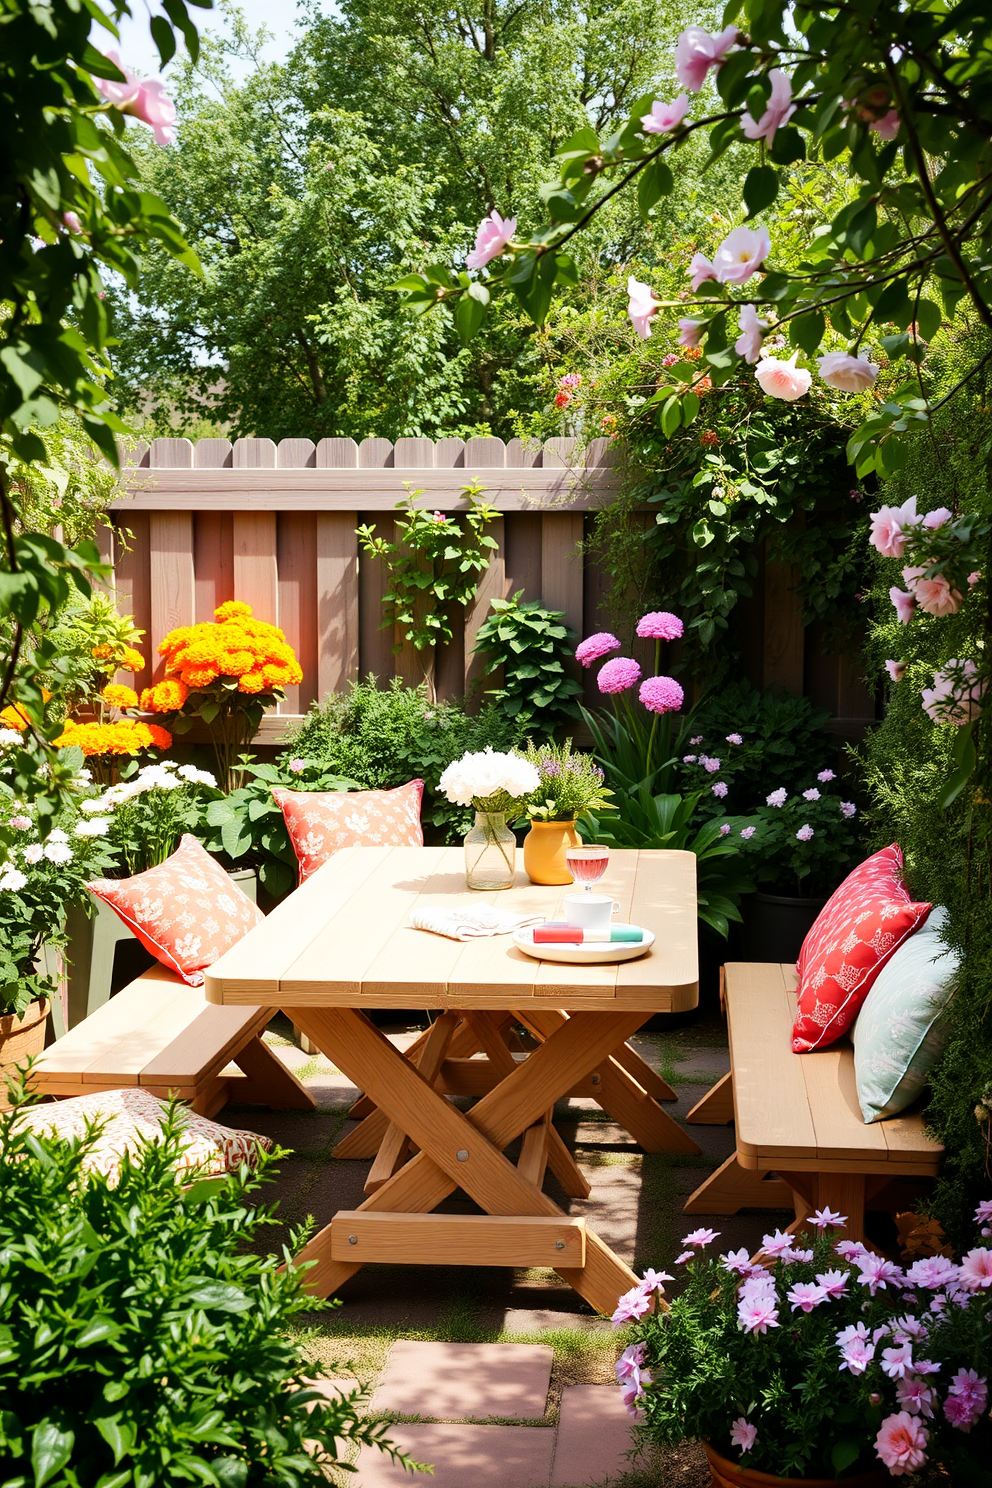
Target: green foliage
[[434, 563], [247, 827], [531, 645], [82, 627], [646, 820], [572, 784], [635, 747], [143, 1341], [147, 811], [811, 865], [383, 737], [814, 1418]]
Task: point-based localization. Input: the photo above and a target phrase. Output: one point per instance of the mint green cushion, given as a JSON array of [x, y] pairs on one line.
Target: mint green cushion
[[899, 1033]]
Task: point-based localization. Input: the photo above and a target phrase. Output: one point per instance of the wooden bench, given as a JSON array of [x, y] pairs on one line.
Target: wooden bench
[[801, 1140], [159, 1033]]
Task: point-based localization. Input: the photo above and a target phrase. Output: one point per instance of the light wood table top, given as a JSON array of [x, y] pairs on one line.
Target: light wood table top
[[342, 939]]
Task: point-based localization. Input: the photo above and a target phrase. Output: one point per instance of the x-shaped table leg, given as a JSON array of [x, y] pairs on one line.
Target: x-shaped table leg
[[465, 1151]]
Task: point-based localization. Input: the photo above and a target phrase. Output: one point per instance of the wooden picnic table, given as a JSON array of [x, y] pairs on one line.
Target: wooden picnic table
[[341, 945]]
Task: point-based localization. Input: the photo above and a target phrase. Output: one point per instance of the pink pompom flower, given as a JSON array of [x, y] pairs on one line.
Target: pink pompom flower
[[902, 1443], [492, 238], [735, 738], [661, 695], [696, 51], [665, 116], [618, 675], [595, 646], [660, 625], [805, 833], [778, 110], [719, 788]]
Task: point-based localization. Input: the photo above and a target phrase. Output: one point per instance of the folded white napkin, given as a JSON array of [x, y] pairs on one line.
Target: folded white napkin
[[466, 924]]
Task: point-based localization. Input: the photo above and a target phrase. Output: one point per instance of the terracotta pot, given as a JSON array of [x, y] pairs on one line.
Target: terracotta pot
[[19, 1039], [730, 1475], [544, 851]]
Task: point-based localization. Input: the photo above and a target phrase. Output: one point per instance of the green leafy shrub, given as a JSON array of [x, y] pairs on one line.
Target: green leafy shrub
[[142, 1342], [382, 737], [531, 644]]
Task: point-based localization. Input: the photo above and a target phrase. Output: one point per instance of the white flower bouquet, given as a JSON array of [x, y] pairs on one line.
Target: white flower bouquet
[[490, 781]]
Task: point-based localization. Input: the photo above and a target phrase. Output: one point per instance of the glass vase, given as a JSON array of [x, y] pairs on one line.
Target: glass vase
[[490, 852]]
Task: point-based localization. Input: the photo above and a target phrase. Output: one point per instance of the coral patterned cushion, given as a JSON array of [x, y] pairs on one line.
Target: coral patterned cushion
[[859, 928], [186, 912], [320, 823], [132, 1118]]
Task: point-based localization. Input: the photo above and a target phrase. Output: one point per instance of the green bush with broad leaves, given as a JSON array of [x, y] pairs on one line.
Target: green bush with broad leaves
[[645, 820], [143, 1340], [530, 645]]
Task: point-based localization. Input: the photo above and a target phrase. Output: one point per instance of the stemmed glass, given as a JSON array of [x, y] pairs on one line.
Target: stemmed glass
[[587, 864]]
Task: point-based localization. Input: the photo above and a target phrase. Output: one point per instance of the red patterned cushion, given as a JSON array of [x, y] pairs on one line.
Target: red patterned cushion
[[320, 823], [855, 933], [186, 912]]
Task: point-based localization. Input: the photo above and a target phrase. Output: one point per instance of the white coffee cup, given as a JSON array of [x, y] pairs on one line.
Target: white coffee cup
[[590, 911]]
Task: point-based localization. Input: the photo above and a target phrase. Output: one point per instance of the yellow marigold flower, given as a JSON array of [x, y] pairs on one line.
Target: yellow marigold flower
[[132, 660], [119, 696], [232, 609], [14, 717], [102, 653], [252, 682], [198, 676], [145, 702]]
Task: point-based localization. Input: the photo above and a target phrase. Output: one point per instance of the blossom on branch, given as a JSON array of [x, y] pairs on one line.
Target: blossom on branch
[[700, 269], [748, 343], [784, 380], [778, 110], [492, 238], [665, 116], [848, 374], [741, 254], [641, 306]]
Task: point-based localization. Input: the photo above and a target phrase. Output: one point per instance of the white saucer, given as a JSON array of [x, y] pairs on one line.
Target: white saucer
[[602, 953]]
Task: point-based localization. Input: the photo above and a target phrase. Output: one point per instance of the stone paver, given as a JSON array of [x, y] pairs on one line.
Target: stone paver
[[465, 1457], [594, 1437], [456, 1380]]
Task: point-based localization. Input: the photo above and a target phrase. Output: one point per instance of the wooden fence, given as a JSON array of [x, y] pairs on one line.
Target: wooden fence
[[275, 525]]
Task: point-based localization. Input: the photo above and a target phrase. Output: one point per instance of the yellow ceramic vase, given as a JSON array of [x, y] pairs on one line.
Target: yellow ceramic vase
[[544, 851]]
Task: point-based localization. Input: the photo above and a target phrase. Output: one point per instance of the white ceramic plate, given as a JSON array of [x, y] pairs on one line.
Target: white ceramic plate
[[602, 954]]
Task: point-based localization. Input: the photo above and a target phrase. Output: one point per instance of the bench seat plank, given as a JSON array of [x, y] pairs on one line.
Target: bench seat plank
[[118, 1039], [204, 1046]]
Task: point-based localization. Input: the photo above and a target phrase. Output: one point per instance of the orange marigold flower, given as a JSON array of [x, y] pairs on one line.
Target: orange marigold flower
[[119, 696], [132, 660], [128, 736], [252, 682], [198, 676], [145, 702], [165, 697], [160, 737], [232, 608], [102, 653], [14, 717]]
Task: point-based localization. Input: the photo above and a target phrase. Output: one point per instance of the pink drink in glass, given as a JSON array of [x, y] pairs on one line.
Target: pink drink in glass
[[587, 864]]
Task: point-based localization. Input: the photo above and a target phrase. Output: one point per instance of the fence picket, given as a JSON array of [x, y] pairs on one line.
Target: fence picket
[[172, 583]]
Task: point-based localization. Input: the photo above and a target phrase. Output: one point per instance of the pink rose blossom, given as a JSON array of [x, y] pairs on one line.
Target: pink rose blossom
[[889, 527], [896, 670], [696, 52], [700, 269], [748, 343], [665, 116], [905, 605], [848, 374], [956, 694], [975, 1272], [595, 646], [886, 128], [902, 1443], [783, 380], [661, 695], [934, 596], [743, 1434], [618, 675], [778, 110], [690, 331], [660, 625], [641, 306], [937, 518], [492, 238], [741, 254]]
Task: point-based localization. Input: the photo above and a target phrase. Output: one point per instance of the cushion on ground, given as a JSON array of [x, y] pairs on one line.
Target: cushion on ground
[[900, 1032], [187, 912], [860, 927], [133, 1117], [320, 823]]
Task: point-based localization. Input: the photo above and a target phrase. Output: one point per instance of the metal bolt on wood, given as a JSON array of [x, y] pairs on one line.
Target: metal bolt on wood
[[462, 1155]]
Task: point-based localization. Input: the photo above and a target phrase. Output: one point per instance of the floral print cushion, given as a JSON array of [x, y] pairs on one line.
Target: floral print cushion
[[320, 823], [900, 1031], [132, 1117], [187, 912], [859, 928]]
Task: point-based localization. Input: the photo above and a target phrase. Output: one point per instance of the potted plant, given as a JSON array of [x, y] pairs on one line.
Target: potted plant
[[798, 847], [496, 785], [822, 1361], [39, 879], [571, 785]]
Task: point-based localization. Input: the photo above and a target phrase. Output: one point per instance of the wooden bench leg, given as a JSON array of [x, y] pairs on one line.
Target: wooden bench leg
[[716, 1107], [844, 1193], [732, 1188], [270, 1083]]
